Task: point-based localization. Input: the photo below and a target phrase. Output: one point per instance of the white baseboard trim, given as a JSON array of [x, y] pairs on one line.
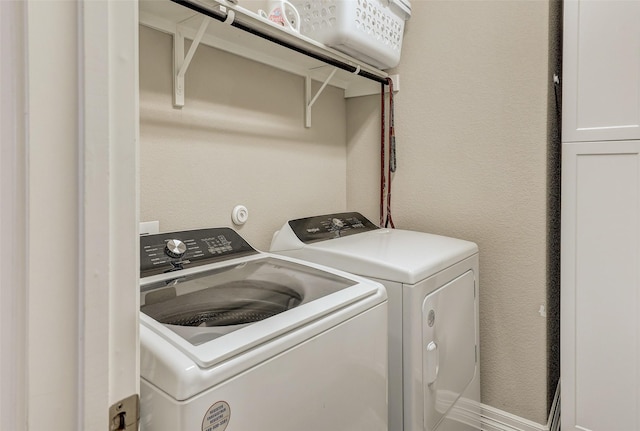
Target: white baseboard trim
[[493, 419]]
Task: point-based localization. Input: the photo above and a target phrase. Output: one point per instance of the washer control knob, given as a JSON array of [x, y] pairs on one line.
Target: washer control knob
[[337, 223], [175, 248]]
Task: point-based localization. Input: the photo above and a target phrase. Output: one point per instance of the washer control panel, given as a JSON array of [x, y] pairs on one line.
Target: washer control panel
[[330, 226], [174, 251]]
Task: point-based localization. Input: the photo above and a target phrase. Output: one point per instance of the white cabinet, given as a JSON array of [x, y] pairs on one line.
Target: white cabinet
[[600, 262], [600, 309], [601, 66]]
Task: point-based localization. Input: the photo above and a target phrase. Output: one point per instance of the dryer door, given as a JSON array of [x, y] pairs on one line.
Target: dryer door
[[449, 348]]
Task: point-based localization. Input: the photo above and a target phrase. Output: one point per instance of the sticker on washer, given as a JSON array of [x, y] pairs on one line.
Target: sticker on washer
[[217, 417]]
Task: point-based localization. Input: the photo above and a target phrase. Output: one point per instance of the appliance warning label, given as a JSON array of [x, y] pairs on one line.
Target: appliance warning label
[[217, 417]]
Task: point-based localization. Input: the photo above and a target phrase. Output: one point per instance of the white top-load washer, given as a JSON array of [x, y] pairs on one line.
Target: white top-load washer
[[235, 339], [432, 285]]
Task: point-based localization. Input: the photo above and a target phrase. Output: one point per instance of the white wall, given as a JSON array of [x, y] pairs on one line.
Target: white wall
[[240, 139], [471, 125], [13, 212], [52, 189]]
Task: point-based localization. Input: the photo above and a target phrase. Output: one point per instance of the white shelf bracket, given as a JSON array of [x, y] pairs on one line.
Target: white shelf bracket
[[309, 101], [396, 84], [181, 62]]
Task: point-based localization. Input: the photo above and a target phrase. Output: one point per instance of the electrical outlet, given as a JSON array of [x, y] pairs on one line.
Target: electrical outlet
[[149, 227]]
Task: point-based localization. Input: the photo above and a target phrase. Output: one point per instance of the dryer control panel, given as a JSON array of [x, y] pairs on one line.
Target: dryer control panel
[[174, 251], [330, 226]]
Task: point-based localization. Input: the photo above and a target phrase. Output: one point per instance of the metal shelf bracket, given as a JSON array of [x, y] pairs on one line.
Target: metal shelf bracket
[[309, 101], [181, 62]]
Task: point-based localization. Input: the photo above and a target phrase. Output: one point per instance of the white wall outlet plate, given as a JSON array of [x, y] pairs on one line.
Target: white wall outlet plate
[[149, 227]]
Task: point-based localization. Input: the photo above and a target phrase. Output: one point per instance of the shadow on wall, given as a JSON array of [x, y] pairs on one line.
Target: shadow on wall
[[224, 119], [228, 94]]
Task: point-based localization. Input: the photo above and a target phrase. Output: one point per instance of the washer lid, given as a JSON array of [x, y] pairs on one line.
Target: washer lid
[[388, 254], [226, 309]]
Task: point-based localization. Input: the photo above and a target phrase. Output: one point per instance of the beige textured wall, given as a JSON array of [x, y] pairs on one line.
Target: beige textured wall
[[240, 139], [471, 120]]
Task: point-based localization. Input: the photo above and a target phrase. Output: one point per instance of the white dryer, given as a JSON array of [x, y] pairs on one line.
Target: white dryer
[[235, 339], [432, 285]]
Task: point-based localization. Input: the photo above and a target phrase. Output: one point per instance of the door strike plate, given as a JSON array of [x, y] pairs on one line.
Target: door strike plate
[[125, 414]]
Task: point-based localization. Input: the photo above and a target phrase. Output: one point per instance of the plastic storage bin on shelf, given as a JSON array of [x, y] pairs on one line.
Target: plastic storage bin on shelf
[[369, 30]]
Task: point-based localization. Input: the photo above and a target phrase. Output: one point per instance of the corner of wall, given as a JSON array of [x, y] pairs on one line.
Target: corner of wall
[[554, 121]]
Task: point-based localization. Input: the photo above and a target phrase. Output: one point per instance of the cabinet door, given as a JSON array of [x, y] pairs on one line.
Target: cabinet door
[[600, 301], [601, 70]]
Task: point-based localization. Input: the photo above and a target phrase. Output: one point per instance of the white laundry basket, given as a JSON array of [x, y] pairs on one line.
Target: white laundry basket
[[369, 30]]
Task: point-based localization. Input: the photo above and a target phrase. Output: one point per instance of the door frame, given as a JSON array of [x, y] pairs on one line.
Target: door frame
[[13, 169], [69, 186], [109, 137]]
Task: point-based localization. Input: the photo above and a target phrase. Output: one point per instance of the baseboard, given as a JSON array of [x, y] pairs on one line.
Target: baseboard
[[493, 419]]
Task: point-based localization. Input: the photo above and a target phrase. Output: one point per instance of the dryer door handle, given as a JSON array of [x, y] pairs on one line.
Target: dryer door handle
[[432, 358]]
